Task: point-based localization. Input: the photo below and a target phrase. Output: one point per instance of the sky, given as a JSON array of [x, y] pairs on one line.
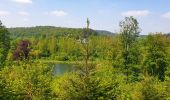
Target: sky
[[152, 15]]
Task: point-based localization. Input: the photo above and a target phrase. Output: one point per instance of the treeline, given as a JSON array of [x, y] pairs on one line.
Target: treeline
[[43, 31], [58, 43], [120, 67]]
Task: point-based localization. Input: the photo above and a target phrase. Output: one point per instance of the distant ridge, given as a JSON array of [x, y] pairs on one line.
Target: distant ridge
[[52, 30], [104, 32]]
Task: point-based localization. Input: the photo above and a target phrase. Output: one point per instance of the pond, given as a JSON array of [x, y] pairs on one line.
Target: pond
[[60, 69]]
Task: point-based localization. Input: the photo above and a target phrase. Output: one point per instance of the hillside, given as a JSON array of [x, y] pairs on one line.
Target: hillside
[[104, 32], [51, 30]]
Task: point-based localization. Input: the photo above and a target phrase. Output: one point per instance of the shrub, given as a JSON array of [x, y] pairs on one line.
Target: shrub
[[26, 81]]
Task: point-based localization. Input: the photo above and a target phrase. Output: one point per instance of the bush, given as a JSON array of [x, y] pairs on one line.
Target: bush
[[149, 89], [101, 84], [26, 81]]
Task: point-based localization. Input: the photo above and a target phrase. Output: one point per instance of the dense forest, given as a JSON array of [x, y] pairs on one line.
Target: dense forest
[[108, 66]]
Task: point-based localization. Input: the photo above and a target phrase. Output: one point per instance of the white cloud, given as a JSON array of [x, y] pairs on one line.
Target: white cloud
[[4, 13], [136, 13], [166, 15], [58, 13], [23, 13], [23, 1]]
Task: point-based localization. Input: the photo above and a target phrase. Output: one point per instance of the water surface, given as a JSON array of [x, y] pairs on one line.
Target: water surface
[[60, 69]]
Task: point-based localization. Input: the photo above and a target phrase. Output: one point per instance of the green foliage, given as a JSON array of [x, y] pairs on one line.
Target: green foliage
[[156, 61], [45, 31], [128, 33], [26, 81], [88, 82], [149, 89], [125, 66], [4, 44], [102, 84]]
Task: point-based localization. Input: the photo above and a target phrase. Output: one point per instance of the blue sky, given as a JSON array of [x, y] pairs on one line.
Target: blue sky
[[153, 15]]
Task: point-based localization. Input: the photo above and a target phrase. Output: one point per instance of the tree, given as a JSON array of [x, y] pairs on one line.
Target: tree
[[85, 43], [105, 83], [129, 32], [22, 51], [4, 44], [81, 85], [156, 61]]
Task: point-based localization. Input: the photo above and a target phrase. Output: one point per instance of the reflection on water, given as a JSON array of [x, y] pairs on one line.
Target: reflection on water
[[60, 69]]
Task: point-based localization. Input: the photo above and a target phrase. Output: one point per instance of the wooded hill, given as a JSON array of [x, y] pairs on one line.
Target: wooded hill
[[51, 30]]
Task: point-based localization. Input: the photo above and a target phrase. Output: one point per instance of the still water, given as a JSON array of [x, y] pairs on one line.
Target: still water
[[60, 69]]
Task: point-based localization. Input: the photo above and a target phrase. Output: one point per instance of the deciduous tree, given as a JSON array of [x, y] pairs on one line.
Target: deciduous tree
[[129, 31], [4, 44]]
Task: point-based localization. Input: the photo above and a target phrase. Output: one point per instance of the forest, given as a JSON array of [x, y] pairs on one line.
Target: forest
[[107, 66]]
